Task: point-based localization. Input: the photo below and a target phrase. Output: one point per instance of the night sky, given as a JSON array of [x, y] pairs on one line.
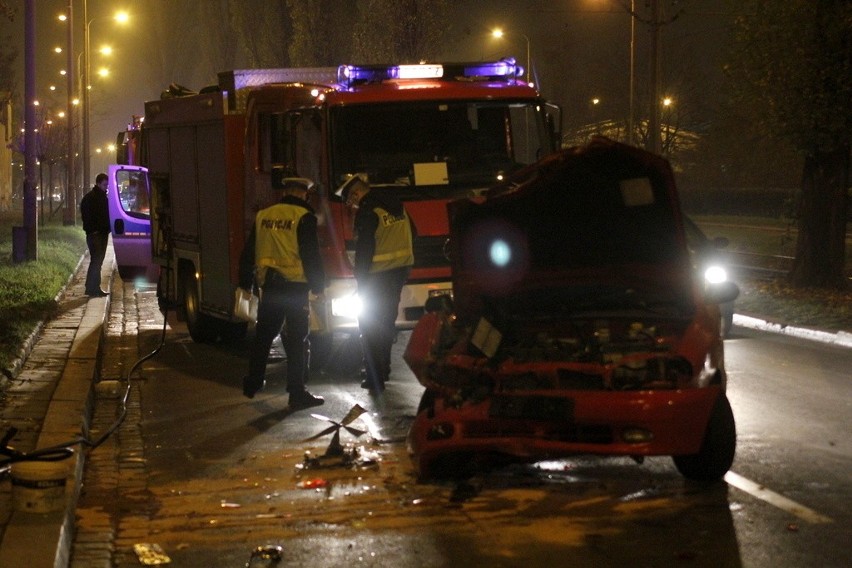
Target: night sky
[[579, 49]]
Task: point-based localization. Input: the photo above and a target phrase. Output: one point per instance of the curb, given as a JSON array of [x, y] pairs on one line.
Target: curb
[[45, 539], [839, 339]]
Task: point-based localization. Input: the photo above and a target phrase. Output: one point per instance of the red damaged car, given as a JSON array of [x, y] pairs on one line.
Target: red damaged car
[[577, 325]]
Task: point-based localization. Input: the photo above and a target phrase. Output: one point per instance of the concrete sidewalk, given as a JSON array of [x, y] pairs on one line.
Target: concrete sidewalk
[[49, 401]]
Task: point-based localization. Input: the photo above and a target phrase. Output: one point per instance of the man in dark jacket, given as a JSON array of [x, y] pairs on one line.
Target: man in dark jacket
[[94, 210], [282, 253], [384, 256]]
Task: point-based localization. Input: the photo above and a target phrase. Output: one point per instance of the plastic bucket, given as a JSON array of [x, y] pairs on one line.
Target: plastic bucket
[[39, 486]]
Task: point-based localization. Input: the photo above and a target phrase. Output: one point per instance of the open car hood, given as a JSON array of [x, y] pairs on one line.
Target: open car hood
[[587, 230]]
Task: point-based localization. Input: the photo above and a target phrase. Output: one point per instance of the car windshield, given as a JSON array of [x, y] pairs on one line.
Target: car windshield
[[434, 149]]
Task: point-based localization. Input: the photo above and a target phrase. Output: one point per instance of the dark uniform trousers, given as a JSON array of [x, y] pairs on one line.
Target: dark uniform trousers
[[281, 303], [380, 295], [97, 243]]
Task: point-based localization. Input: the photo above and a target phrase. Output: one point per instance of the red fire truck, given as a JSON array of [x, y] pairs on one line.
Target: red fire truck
[[428, 132]]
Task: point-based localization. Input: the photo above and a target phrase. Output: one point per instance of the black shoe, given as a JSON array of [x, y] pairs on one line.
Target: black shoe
[[97, 294], [252, 386], [363, 374], [304, 399], [373, 386]]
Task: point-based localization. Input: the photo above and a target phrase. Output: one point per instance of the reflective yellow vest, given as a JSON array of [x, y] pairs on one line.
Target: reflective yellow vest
[[276, 242], [393, 242]]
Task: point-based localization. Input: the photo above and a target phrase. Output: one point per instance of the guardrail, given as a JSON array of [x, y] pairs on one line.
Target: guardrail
[[758, 265]]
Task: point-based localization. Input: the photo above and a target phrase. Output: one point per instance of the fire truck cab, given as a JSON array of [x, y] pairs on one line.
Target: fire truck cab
[[429, 133]]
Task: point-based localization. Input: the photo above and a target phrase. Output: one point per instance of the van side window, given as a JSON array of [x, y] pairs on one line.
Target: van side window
[[133, 193]]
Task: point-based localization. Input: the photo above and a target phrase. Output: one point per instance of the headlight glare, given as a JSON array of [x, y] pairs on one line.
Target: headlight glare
[[346, 306], [715, 274]]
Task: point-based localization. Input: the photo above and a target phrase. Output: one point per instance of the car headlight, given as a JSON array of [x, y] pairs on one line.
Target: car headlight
[[715, 274], [346, 306]]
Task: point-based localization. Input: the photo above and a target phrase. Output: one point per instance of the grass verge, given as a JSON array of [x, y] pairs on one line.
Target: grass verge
[[28, 289], [775, 300]]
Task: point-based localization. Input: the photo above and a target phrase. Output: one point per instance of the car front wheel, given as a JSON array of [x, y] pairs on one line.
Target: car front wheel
[[716, 455]]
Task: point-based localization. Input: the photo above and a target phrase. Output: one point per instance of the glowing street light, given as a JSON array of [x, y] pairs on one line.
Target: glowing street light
[[499, 33], [121, 18]]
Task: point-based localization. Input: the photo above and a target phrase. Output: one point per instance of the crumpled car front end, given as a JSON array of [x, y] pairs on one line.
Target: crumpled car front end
[[577, 325]]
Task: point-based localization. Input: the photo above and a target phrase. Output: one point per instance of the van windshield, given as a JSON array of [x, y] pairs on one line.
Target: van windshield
[[434, 149]]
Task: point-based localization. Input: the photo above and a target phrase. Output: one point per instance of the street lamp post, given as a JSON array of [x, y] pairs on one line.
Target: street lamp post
[[498, 33], [120, 17], [85, 97], [654, 140], [69, 216], [632, 88]]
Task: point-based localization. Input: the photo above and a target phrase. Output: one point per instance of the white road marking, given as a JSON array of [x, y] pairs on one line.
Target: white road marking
[[783, 503]]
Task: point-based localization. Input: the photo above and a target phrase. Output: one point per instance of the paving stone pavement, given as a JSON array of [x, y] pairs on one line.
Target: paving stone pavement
[[117, 467], [48, 398]]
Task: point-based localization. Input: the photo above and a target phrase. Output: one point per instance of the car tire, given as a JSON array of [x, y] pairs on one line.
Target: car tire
[[717, 451], [427, 403], [727, 311]]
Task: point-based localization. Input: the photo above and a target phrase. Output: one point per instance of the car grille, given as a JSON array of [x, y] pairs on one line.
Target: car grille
[[573, 380], [574, 433]]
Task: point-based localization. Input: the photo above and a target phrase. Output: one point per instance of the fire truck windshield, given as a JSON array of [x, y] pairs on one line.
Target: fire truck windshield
[[434, 149]]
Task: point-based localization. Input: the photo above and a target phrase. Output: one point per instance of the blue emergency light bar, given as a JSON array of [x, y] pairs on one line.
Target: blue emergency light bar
[[504, 69]]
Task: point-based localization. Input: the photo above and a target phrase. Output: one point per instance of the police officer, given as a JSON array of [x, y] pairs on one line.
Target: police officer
[[94, 211], [282, 252], [383, 259]]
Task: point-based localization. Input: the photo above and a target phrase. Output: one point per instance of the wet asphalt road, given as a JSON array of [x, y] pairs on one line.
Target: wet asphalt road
[[208, 475]]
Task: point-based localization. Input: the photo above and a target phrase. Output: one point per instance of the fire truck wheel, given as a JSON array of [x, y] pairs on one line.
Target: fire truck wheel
[[230, 332], [202, 328]]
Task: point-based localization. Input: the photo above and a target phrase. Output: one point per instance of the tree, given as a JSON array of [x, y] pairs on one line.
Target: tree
[[169, 46], [322, 32], [8, 55], [399, 31], [265, 29], [791, 67], [219, 41]]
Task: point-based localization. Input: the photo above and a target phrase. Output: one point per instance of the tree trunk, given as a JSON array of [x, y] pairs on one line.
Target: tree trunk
[[821, 244]]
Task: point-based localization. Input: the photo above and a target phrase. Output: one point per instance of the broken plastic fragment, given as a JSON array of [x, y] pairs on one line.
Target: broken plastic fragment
[[312, 483], [150, 554], [270, 554]]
